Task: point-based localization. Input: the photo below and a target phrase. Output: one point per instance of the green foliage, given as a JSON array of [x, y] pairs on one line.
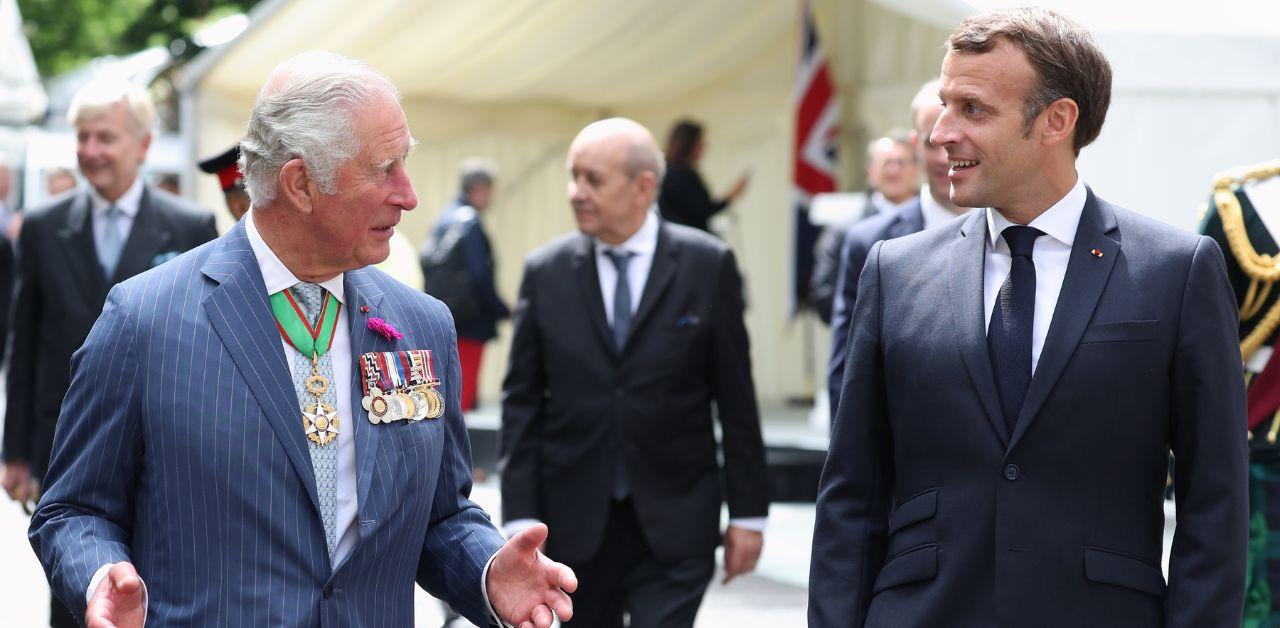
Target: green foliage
[[67, 33]]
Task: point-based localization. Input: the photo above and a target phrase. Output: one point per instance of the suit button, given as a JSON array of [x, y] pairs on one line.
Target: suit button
[[1012, 472], [328, 591]]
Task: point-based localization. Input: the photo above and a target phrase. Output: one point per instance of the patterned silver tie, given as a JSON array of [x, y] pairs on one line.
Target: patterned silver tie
[[324, 458], [112, 243]]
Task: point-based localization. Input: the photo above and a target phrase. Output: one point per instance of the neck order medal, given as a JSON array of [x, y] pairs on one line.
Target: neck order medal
[[319, 420]]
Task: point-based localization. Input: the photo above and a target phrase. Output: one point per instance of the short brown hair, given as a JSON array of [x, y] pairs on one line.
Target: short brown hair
[[1067, 61]]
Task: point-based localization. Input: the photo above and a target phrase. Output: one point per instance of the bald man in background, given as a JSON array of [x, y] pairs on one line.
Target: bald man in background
[[625, 332]]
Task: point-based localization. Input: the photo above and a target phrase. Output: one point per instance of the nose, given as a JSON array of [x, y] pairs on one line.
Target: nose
[[404, 197], [944, 131], [574, 190]]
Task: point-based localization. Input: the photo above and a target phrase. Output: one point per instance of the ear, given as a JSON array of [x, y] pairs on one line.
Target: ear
[[145, 143], [1060, 121], [914, 137], [294, 185]]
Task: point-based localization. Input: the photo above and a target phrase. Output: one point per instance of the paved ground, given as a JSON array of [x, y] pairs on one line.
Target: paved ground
[[773, 596]]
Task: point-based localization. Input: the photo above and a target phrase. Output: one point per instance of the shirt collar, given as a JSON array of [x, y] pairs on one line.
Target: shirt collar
[[1059, 222], [643, 242], [934, 213], [128, 202], [884, 205], [275, 274]]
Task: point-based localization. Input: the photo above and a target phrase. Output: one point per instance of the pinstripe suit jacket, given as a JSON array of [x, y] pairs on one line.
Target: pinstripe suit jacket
[[180, 449]]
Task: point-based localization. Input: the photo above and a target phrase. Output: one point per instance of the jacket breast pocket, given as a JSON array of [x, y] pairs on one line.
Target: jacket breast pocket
[[1121, 331], [1111, 567]]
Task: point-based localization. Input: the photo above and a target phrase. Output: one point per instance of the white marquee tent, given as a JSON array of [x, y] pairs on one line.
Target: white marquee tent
[[515, 79]]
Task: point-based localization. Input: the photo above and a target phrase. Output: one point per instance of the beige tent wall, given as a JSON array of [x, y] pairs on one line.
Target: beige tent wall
[[878, 58]]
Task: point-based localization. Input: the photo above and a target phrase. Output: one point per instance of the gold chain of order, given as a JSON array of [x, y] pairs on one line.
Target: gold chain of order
[[1263, 270]]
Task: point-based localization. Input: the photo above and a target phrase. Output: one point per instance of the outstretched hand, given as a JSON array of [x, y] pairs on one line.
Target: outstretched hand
[[525, 586], [118, 601]]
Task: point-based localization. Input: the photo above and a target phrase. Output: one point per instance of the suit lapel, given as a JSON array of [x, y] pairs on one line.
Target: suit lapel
[[148, 235], [665, 258], [76, 239], [909, 221], [362, 292], [967, 261], [241, 314], [588, 278], [1082, 286]]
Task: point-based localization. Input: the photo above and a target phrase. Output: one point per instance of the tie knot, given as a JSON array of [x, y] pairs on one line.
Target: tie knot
[[113, 211], [309, 297], [619, 258], [1021, 239]]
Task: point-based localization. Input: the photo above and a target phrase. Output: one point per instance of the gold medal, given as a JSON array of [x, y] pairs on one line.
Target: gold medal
[[435, 403], [321, 423], [319, 420]]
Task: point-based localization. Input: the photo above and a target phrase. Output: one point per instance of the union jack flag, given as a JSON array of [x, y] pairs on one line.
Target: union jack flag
[[817, 125]]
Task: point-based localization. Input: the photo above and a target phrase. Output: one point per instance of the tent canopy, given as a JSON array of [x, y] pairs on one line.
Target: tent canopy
[[514, 80]]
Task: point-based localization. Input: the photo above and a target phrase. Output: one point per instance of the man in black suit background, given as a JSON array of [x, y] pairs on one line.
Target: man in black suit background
[[930, 208], [624, 335], [70, 254], [1016, 379]]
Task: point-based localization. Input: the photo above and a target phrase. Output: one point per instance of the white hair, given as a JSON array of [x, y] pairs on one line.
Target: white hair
[[100, 95], [305, 111]]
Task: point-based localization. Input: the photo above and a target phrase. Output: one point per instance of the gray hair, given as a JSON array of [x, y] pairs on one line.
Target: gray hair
[[100, 95], [476, 171], [926, 97], [305, 111]]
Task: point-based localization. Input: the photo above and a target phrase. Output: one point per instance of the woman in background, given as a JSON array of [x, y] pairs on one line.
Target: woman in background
[[684, 198]]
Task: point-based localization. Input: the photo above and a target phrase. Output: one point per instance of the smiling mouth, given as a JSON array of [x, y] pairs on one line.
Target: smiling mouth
[[960, 165]]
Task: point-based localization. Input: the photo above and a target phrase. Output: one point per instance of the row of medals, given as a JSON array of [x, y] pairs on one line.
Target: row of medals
[[411, 403], [321, 423]]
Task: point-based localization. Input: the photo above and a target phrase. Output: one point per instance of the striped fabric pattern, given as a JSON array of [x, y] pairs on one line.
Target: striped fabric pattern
[[180, 448]]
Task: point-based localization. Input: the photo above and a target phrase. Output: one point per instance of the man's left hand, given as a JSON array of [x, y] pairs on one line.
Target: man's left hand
[[741, 551], [525, 586]]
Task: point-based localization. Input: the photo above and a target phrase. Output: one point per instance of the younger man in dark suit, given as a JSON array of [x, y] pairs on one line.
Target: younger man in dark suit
[[1016, 379], [624, 335]]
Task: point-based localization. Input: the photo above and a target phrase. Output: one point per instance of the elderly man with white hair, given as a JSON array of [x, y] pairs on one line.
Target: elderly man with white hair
[[73, 250], [265, 432]]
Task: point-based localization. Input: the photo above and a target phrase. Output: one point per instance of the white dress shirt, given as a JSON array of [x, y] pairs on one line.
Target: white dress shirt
[[277, 277], [934, 212], [129, 202], [642, 245], [1051, 253], [881, 204]]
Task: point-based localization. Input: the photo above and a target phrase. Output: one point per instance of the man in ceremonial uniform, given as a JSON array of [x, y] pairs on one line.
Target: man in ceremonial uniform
[[226, 167], [625, 333], [265, 431], [1242, 216], [1015, 380]]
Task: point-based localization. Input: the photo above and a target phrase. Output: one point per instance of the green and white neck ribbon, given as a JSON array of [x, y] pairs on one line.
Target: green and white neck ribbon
[[296, 328]]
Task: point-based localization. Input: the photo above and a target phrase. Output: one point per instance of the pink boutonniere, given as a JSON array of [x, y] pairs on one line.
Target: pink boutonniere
[[384, 329]]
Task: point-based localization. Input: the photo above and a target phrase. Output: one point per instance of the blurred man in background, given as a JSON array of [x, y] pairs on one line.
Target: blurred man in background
[[625, 334], [73, 251], [930, 208], [458, 268]]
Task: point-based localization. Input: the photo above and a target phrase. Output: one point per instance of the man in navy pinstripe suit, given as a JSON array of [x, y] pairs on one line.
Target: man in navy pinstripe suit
[[195, 454]]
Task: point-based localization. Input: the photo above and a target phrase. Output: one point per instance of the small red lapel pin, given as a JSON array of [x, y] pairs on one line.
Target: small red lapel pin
[[1097, 253], [364, 309]]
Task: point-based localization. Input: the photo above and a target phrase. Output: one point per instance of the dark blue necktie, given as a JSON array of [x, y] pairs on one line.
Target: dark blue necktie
[[621, 297], [1009, 336], [621, 327]]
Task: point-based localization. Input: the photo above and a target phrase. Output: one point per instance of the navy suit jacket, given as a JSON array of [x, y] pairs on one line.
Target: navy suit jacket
[[180, 449], [858, 240], [931, 514]]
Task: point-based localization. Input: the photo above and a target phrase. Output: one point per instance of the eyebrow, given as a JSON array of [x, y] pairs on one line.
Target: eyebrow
[[386, 163]]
